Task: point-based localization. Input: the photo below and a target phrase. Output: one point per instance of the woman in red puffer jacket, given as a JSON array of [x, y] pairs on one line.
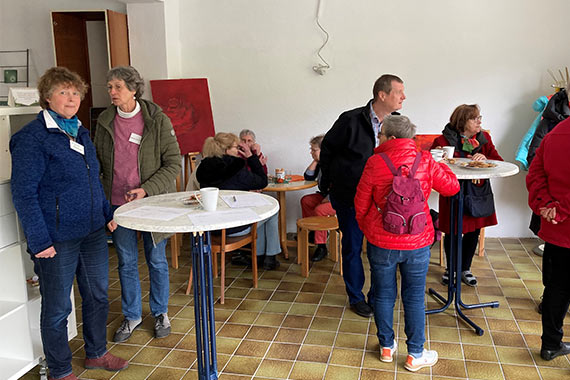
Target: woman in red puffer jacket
[[387, 251]]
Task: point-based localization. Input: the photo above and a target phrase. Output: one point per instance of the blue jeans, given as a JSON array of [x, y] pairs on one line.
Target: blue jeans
[[86, 259], [267, 236], [125, 241], [413, 270], [351, 252]]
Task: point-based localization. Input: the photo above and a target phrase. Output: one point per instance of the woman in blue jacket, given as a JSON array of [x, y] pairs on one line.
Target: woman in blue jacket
[[63, 211]]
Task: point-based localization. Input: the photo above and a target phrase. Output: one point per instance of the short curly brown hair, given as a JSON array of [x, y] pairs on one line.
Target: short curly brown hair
[[57, 76]]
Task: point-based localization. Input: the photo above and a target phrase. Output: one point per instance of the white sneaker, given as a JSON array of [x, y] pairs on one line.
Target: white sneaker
[[428, 359], [387, 354]]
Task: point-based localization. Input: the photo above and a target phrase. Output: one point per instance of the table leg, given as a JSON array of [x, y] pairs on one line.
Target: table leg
[[454, 288], [204, 306], [283, 222]]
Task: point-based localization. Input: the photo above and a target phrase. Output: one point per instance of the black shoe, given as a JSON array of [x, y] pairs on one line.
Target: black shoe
[[320, 253], [551, 354], [271, 263], [539, 308], [363, 309], [260, 260], [241, 259]]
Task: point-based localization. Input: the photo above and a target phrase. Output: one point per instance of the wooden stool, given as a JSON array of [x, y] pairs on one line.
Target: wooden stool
[[317, 223]]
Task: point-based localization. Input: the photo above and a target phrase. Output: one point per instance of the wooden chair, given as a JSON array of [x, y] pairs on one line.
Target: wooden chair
[[189, 165], [317, 223], [226, 244]]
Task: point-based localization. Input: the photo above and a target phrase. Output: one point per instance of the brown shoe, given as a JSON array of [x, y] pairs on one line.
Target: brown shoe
[[71, 376], [108, 362]]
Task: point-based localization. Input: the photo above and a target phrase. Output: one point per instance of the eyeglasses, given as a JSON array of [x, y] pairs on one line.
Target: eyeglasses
[[315, 149], [477, 118]]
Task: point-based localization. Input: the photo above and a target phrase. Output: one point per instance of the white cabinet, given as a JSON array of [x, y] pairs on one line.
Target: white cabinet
[[20, 342]]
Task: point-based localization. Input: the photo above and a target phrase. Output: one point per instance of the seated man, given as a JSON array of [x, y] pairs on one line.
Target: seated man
[[316, 204], [247, 136]]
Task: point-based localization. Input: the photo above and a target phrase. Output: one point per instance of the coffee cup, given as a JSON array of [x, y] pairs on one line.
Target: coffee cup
[[448, 151], [208, 198], [437, 154]]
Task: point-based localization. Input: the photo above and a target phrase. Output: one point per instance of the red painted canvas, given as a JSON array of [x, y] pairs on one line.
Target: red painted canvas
[[425, 141], [187, 104]]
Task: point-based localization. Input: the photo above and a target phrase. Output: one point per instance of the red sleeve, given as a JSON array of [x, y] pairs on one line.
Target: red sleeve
[[537, 182], [443, 179], [439, 141], [363, 198], [489, 149]]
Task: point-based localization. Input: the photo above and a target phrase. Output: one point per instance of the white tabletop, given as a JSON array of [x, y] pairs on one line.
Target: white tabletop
[[182, 223], [503, 169]]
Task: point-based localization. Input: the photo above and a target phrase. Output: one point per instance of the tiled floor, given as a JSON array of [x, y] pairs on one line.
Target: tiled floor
[[297, 328]]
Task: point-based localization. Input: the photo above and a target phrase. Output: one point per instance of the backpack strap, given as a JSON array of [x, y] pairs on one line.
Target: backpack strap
[[395, 172], [389, 164], [415, 165]]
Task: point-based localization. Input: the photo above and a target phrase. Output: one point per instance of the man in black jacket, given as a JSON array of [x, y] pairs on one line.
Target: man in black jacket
[[344, 152]]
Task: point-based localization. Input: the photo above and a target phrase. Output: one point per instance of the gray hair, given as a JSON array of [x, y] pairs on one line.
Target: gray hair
[[245, 132], [317, 140], [130, 76], [398, 126]]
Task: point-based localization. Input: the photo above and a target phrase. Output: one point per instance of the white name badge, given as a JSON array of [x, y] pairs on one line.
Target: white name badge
[[135, 138], [77, 147]]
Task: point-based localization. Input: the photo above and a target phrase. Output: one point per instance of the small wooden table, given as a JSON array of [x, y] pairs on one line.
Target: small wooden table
[[281, 189]]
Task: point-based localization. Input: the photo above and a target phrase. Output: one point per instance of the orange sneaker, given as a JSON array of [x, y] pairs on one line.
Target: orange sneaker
[[428, 359], [387, 354]]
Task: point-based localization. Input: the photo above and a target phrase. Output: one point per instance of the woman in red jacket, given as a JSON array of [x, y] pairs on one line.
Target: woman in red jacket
[[547, 182], [386, 251], [464, 133]]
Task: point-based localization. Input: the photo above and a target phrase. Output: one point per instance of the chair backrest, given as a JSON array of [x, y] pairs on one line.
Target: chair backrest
[[226, 243], [189, 165]]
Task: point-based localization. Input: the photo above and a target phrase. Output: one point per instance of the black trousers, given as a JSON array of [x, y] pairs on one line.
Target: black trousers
[[555, 270], [469, 243]]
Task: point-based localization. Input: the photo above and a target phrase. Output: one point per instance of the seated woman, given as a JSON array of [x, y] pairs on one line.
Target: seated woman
[[224, 167], [407, 250], [464, 133], [316, 204]]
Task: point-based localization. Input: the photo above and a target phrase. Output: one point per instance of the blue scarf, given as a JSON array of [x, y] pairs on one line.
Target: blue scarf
[[70, 126]]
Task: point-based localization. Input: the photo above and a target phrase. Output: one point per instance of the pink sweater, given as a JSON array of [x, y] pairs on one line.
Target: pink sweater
[[125, 167]]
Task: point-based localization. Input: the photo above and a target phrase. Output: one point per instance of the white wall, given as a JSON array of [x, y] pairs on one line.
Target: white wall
[[258, 54], [26, 24], [147, 41]]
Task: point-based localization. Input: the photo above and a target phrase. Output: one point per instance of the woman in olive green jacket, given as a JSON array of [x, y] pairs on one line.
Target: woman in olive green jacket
[[139, 157]]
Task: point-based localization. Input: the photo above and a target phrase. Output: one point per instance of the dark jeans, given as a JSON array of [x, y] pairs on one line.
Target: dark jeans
[[468, 246], [86, 259], [351, 252], [555, 269]]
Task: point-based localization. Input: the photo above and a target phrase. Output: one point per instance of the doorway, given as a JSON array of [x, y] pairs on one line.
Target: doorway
[[90, 43]]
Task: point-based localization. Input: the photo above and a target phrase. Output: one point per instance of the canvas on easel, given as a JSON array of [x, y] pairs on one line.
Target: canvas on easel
[[187, 103]]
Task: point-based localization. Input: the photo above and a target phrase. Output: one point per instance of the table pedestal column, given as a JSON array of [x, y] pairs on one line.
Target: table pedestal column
[[454, 287], [204, 306]]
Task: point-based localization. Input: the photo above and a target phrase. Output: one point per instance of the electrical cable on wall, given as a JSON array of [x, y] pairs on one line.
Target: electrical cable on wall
[[320, 68]]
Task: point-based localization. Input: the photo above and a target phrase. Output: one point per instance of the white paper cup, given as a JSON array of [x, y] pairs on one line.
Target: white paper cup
[[209, 198], [448, 151]]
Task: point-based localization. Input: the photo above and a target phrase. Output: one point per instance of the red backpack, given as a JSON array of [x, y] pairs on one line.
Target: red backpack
[[404, 210]]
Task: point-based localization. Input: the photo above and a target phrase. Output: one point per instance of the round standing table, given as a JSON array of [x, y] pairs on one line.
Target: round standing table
[[464, 174], [151, 214], [281, 189]]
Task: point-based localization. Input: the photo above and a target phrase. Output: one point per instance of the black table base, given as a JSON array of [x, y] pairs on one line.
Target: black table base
[[454, 287], [204, 306]]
